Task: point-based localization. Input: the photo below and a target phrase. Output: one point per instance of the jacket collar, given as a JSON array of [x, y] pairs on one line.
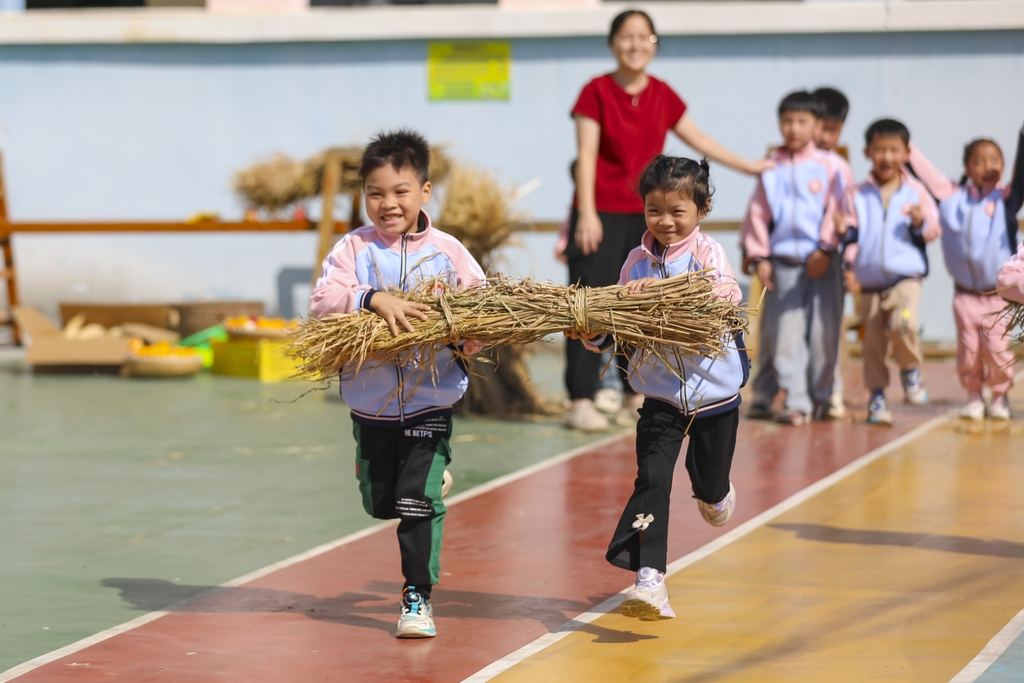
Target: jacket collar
[[673, 251], [904, 178], [782, 153], [414, 241]]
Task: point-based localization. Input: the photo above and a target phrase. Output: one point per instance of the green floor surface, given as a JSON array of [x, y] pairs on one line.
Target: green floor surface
[[122, 496]]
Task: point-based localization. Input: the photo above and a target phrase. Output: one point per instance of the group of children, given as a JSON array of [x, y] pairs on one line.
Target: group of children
[[807, 223]]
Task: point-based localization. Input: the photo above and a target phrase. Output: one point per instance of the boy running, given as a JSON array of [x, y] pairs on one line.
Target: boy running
[[401, 415]]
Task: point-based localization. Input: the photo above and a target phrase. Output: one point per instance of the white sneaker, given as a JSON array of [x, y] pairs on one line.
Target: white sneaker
[[717, 514], [648, 599], [974, 410], [836, 406], [629, 414], [417, 620], [446, 484], [585, 417], [999, 410], [608, 401]]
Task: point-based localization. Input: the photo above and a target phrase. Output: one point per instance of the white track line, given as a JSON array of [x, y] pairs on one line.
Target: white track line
[[71, 649], [489, 672], [995, 648]]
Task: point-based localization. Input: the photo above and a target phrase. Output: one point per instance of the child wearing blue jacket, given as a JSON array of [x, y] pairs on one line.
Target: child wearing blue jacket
[[979, 234], [696, 397], [788, 238], [893, 218], [402, 413]]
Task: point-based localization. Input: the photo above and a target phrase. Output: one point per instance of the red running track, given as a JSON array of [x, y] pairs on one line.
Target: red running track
[[518, 561]]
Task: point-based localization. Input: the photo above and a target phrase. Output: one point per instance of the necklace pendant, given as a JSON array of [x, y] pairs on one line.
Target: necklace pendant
[[636, 100]]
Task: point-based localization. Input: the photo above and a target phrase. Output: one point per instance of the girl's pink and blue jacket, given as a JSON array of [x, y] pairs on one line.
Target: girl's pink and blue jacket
[[791, 213], [711, 386], [366, 261], [888, 247], [979, 233]]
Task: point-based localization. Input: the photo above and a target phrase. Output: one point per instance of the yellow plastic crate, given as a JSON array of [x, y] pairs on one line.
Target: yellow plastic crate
[[261, 358]]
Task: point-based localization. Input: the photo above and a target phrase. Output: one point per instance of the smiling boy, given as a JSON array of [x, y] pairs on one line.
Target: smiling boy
[[401, 414], [893, 217]]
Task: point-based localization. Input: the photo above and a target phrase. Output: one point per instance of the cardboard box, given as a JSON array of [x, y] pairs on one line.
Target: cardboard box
[[261, 358], [156, 315], [47, 347]]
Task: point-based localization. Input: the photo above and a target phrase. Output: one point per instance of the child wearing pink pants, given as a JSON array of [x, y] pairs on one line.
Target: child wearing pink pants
[[979, 234]]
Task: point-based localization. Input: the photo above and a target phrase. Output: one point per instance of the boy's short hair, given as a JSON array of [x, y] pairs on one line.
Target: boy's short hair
[[834, 103], [399, 149], [802, 100], [886, 128]]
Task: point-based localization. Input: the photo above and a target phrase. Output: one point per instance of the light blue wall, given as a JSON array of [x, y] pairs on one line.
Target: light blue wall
[[155, 131]]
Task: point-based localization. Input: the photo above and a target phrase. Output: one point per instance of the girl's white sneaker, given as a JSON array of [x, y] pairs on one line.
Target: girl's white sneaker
[[717, 514], [974, 410], [648, 599], [999, 409]]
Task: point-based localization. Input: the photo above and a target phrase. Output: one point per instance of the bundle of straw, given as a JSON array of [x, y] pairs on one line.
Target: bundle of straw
[[678, 316], [1014, 313], [477, 212]]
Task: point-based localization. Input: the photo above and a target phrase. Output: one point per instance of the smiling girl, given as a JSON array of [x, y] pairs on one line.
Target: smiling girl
[[696, 397], [979, 233], [622, 119]]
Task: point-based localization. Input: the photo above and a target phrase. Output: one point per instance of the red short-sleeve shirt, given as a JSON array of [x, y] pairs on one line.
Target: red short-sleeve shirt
[[633, 130]]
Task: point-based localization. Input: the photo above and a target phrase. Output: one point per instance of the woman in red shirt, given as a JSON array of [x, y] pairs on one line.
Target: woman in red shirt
[[622, 119]]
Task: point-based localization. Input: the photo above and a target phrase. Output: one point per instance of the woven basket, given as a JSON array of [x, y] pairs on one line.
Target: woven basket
[[164, 366], [198, 316], [260, 332]]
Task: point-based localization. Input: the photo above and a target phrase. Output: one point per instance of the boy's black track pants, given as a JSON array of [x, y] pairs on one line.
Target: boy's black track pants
[[400, 472]]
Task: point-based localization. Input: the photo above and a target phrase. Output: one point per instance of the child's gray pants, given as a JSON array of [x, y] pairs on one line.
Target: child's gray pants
[[799, 339]]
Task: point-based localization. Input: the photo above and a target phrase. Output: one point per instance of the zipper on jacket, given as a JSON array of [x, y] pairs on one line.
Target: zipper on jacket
[[792, 215], [970, 254], [680, 365], [398, 364], [885, 225]]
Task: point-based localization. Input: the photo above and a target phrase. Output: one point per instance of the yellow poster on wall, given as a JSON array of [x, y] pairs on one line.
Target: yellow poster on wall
[[468, 71]]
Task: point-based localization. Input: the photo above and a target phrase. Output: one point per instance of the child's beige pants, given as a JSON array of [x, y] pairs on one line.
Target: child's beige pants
[[890, 316]]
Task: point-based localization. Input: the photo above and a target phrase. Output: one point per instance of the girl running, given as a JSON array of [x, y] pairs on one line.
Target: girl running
[[677, 195], [979, 233]]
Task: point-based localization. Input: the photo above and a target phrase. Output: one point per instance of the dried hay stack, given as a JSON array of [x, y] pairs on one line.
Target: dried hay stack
[[281, 181]]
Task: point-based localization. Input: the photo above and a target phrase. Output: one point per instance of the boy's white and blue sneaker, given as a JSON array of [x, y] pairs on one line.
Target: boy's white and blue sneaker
[[648, 599], [417, 620], [913, 389], [878, 410]]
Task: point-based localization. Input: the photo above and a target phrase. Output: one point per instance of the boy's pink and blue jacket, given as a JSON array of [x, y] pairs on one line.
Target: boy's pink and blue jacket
[[366, 261], [979, 233], [888, 248], [712, 385], [791, 214]]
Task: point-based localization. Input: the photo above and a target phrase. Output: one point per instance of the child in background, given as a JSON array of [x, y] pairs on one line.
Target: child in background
[[893, 218], [401, 415], [788, 237], [979, 234], [826, 138], [677, 195]]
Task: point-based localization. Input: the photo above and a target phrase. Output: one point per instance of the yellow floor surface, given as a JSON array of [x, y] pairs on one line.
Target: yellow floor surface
[[902, 571]]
